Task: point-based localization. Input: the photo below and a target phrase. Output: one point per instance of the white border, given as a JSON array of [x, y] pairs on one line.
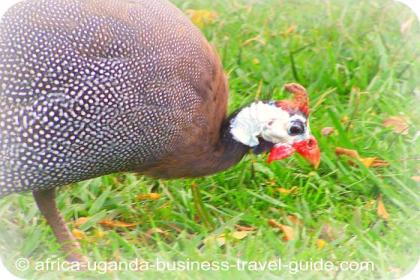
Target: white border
[[414, 5]]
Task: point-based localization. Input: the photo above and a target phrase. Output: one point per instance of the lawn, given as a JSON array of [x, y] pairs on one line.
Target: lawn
[[359, 61]]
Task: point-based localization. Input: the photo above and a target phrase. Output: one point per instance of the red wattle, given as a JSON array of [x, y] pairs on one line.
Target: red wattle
[[280, 152]]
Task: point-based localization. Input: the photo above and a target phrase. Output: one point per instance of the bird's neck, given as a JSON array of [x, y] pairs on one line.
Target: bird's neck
[[228, 151], [235, 139], [238, 135], [241, 132]]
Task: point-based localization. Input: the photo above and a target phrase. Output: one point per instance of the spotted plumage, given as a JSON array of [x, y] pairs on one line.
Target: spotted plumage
[[93, 87]]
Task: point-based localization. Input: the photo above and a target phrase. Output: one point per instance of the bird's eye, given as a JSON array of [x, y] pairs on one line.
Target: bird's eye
[[296, 127]]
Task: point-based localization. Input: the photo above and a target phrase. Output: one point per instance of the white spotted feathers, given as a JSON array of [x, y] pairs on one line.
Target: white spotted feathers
[[92, 87]]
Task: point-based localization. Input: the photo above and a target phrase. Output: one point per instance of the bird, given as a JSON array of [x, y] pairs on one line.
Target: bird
[[94, 87]]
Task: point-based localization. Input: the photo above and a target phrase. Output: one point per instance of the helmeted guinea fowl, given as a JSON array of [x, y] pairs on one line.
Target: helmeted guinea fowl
[[93, 87]]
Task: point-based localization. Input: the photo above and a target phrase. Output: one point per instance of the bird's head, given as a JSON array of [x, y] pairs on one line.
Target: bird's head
[[279, 126]]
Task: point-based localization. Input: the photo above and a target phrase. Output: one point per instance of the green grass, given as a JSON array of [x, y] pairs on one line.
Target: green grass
[[359, 69]]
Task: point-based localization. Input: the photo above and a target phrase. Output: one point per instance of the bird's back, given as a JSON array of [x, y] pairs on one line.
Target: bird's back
[[93, 87]]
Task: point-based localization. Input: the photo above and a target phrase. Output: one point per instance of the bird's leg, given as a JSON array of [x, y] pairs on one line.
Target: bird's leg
[[45, 200]]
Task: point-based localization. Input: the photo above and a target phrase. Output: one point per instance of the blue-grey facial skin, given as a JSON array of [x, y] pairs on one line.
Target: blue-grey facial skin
[[297, 127]]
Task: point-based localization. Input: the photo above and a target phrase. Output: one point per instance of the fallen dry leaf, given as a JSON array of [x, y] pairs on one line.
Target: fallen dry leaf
[[78, 234], [379, 163], [254, 39], [345, 119], [327, 131], [80, 221], [294, 220], [398, 123], [381, 210], [348, 152], [320, 243], [99, 233], [271, 183], [245, 228], [287, 231], [370, 204], [368, 162], [221, 239], [116, 224], [165, 205], [290, 30], [284, 191], [239, 234], [201, 17], [373, 162], [148, 196], [312, 174], [157, 230], [416, 178]]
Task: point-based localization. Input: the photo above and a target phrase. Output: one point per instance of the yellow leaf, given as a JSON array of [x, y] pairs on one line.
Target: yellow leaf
[[368, 162], [80, 221], [255, 61], [254, 39], [398, 123], [239, 234], [295, 220], [312, 174], [373, 162], [290, 30], [99, 234], [381, 210], [157, 230], [283, 190], [221, 239], [201, 17], [271, 183], [78, 234], [370, 204], [116, 224], [148, 196], [326, 131], [287, 231], [287, 191], [320, 243], [345, 119], [165, 205]]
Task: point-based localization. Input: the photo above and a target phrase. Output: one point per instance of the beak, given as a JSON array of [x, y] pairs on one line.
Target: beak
[[309, 149]]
